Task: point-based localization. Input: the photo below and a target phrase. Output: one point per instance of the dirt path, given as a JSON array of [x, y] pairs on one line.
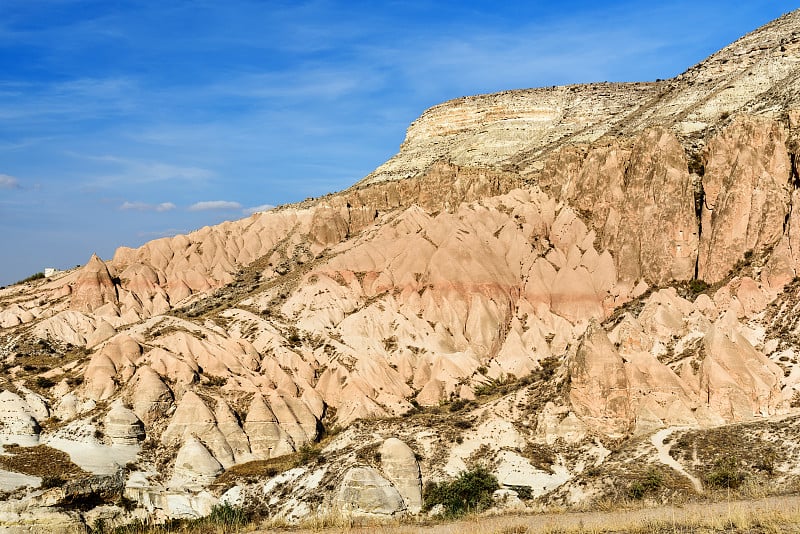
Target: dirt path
[[657, 440], [772, 514]]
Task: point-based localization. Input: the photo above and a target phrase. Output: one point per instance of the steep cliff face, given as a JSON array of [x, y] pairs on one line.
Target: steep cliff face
[[556, 265], [747, 185]]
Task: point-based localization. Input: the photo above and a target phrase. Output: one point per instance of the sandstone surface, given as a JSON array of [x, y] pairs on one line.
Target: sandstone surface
[[365, 491], [569, 285], [400, 465]]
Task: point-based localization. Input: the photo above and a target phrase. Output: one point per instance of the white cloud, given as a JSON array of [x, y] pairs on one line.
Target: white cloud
[[143, 206], [131, 171], [169, 232], [256, 209], [215, 205], [8, 182]]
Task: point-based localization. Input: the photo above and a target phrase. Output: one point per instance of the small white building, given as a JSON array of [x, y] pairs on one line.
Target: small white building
[[49, 271]]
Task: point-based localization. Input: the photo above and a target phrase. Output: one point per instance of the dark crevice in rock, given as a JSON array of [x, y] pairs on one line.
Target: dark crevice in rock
[[699, 199], [787, 220], [349, 222], [699, 203], [695, 164]]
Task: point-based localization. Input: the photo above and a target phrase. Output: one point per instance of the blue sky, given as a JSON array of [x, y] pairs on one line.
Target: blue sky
[[122, 121]]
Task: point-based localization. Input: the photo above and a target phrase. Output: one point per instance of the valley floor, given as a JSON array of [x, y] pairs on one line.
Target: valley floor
[[771, 514]]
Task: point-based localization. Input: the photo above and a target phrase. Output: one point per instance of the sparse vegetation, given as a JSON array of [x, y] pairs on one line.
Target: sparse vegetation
[[31, 278], [499, 386], [40, 461], [52, 481], [308, 453], [470, 492], [458, 404], [540, 455], [216, 381], [251, 472], [223, 518], [370, 454], [44, 382], [725, 474], [75, 381], [697, 286], [647, 484]]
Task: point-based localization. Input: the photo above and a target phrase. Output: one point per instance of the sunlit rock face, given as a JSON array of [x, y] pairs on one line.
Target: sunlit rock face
[[582, 268], [93, 287], [747, 184]]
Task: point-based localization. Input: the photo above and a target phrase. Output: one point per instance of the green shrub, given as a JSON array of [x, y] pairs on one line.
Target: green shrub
[[523, 492], [470, 492], [651, 481], [223, 518], [766, 462], [549, 366], [458, 405], [227, 515], [294, 339], [53, 481], [495, 386], [463, 424], [725, 474], [44, 382], [306, 455], [75, 381], [697, 286], [636, 491], [217, 381]]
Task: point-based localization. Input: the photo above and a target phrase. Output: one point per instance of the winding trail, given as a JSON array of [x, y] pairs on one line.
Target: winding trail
[[657, 440]]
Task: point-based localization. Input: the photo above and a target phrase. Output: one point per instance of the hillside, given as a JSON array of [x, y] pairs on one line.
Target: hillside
[[586, 290]]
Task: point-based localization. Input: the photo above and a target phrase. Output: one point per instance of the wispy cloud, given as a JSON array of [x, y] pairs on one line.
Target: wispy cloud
[[256, 209], [169, 232], [86, 98], [313, 82], [143, 206], [131, 171], [215, 205], [9, 182]]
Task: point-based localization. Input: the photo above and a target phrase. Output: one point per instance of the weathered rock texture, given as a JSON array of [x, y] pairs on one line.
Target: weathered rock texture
[[365, 491], [545, 254], [94, 287], [748, 187], [400, 465], [122, 426]]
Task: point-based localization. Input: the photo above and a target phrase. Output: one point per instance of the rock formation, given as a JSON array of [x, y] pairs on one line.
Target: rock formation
[[591, 268], [94, 287], [365, 491], [194, 465], [400, 465], [122, 426], [17, 424]]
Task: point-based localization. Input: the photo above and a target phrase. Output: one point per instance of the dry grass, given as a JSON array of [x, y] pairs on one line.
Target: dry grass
[[39, 461], [259, 470], [223, 519], [776, 514], [254, 471]]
